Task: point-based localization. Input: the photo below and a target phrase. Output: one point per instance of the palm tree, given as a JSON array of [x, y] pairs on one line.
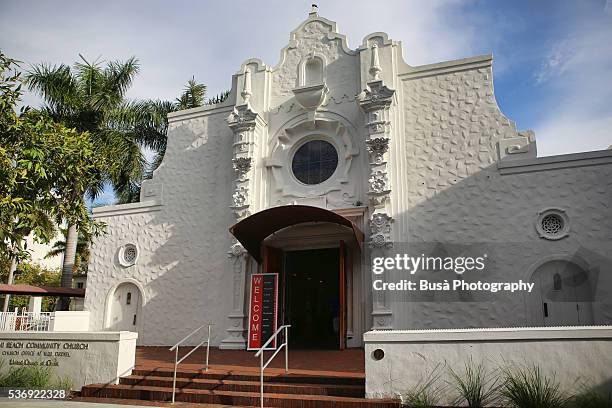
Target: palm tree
[[91, 98], [82, 250], [193, 96]]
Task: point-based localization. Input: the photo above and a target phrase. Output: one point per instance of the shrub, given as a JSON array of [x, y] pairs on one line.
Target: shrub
[[475, 385], [527, 387], [425, 394], [591, 399], [63, 383], [419, 398], [34, 377], [26, 377]]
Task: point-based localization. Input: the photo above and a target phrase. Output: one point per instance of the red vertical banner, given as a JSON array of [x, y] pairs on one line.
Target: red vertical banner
[[263, 307]]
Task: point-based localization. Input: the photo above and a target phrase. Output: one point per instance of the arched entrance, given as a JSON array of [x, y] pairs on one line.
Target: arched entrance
[[563, 294], [316, 254], [125, 308]]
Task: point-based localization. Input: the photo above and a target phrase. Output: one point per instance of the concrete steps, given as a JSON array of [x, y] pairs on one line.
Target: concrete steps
[[253, 375], [241, 389], [339, 390]]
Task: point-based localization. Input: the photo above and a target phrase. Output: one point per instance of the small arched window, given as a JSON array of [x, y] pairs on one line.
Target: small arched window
[[557, 283], [313, 72], [129, 298]]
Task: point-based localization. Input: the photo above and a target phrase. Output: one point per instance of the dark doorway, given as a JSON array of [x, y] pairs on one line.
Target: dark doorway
[[312, 289]]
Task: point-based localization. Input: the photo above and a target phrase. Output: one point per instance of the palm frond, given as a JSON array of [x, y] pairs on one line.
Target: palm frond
[[57, 85], [128, 161], [90, 78], [147, 119], [54, 252], [120, 75], [94, 190], [221, 97], [193, 95], [82, 249]]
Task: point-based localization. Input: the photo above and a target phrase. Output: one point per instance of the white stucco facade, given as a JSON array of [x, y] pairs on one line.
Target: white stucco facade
[[424, 156], [398, 362]]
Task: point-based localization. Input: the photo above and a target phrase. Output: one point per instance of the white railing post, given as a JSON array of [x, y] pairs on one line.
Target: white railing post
[[177, 361], [174, 379], [24, 319], [260, 354], [286, 349], [261, 380], [208, 348]]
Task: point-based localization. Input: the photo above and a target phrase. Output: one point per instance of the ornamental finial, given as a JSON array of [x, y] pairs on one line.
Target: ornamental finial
[[246, 88], [314, 10], [375, 69]]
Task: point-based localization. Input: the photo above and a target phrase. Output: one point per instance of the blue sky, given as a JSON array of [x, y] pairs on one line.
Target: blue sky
[[552, 59]]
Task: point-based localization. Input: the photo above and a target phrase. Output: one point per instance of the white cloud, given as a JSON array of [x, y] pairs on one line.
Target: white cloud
[[577, 73], [574, 134], [211, 39], [555, 63]]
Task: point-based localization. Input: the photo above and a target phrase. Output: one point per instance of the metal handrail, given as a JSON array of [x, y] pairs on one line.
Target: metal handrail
[[176, 349], [263, 366]]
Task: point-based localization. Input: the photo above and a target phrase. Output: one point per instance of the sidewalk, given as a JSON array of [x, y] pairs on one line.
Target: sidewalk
[[14, 403]]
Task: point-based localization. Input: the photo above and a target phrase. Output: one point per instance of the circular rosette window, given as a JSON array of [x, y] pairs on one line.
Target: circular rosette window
[[552, 224], [128, 255]]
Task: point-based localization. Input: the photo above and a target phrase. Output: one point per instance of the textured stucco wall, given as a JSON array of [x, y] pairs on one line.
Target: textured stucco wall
[[575, 357], [182, 264], [452, 192]]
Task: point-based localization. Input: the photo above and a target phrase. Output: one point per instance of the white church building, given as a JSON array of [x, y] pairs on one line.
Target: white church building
[[337, 155]]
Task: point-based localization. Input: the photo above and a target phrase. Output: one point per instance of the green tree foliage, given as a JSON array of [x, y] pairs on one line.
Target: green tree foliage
[[90, 98], [44, 169], [82, 250]]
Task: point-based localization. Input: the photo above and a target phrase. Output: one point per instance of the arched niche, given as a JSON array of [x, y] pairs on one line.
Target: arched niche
[[124, 304], [562, 294], [312, 70]]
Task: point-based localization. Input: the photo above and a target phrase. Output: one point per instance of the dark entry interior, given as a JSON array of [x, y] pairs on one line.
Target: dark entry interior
[[312, 289]]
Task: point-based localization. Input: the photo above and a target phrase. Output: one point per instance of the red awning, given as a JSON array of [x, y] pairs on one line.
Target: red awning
[[30, 290], [252, 231]]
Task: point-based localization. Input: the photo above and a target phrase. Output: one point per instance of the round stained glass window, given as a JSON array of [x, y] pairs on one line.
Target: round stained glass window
[[314, 162]]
